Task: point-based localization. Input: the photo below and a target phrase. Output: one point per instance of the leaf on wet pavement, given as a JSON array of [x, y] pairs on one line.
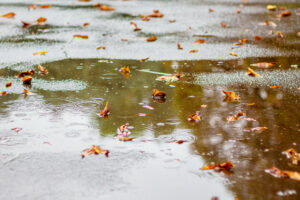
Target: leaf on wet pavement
[[81, 36], [293, 155], [40, 53], [156, 94], [263, 65], [9, 15], [235, 117], [151, 38], [42, 69], [195, 117], [8, 84], [251, 72], [219, 167], [230, 96], [94, 150], [278, 173], [199, 40], [105, 111]]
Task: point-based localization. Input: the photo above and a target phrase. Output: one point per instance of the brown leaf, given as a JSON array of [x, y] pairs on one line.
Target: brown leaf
[[258, 129], [195, 117], [251, 72], [40, 53], [17, 130], [144, 59], [86, 24], [152, 39], [136, 28], [9, 15], [124, 39], [210, 10], [27, 80], [45, 6], [179, 46], [238, 11], [285, 14], [235, 117], [25, 24], [232, 53], [97, 5], [81, 36], [3, 93], [41, 20], [94, 150], [42, 69], [105, 111], [106, 8], [219, 167], [158, 94], [230, 96], [293, 155], [199, 41], [125, 69], [274, 171], [263, 65], [223, 24], [179, 141], [257, 38], [193, 51], [101, 47], [26, 73], [8, 84]]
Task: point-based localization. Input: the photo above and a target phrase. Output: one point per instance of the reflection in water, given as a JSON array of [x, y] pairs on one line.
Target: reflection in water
[[74, 92]]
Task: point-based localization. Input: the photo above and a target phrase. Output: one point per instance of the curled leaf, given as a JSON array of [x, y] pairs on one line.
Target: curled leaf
[[42, 69], [8, 84], [220, 167], [158, 94], [257, 38], [144, 59], [101, 47], [193, 51], [40, 53], [94, 150], [235, 117], [26, 73], [81, 36], [278, 173], [195, 117], [251, 72], [27, 80], [123, 130], [151, 38], [199, 40], [230, 96], [263, 65], [179, 46], [293, 155], [9, 15], [105, 111]]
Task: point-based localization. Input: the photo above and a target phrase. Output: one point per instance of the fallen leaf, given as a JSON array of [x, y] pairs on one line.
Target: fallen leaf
[[172, 20], [223, 24], [193, 51], [242, 41], [230, 96], [199, 40], [263, 65], [124, 138], [144, 59], [101, 47], [27, 80], [81, 36], [26, 92], [219, 167], [94, 150], [170, 78], [25, 24], [279, 35], [136, 28], [271, 7], [195, 117], [45, 6], [238, 11], [17, 130], [275, 86], [179, 141], [86, 24], [251, 104], [257, 38], [232, 53], [203, 106], [32, 7], [9, 15], [84, 0], [26, 73], [124, 39], [144, 18], [106, 8], [123, 130], [40, 53], [285, 14], [8, 84], [210, 10], [152, 39], [97, 5], [235, 117], [105, 111], [258, 129], [158, 94], [270, 23], [179, 46], [42, 69], [3, 93], [274, 171], [148, 107], [125, 69], [41, 20], [251, 72], [293, 155]]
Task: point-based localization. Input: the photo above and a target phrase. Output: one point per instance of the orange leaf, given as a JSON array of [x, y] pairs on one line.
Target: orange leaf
[[123, 130], [40, 53], [285, 14], [136, 28], [251, 72], [274, 171], [179, 141], [293, 155], [17, 130], [45, 6], [105, 111], [81, 36], [156, 13], [144, 59], [3, 93], [86, 24], [258, 129], [106, 8], [238, 11], [125, 69], [101, 47], [94, 150], [25, 73], [199, 41], [179, 46], [210, 10], [41, 20], [263, 65], [8, 84], [9, 15], [223, 24], [232, 53], [158, 94], [42, 69], [32, 7], [195, 117], [27, 80], [235, 117], [152, 39], [219, 167], [124, 39], [230, 96], [257, 38], [26, 92], [124, 138], [193, 51], [279, 35]]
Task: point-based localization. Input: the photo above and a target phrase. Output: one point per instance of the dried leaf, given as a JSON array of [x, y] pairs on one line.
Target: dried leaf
[[285, 14], [8, 84], [195, 117], [124, 138], [40, 53], [94, 150], [199, 40], [235, 117], [125, 69], [123, 130], [42, 69], [293, 155], [263, 65], [152, 39], [193, 51], [136, 28], [170, 78], [32, 7], [148, 107], [27, 80], [242, 41], [106, 8], [210, 10], [251, 72], [101, 47], [3, 93], [258, 129], [41, 20], [26, 92], [230, 96], [179, 141], [232, 53], [17, 130], [257, 38], [179, 46], [144, 18], [45, 6], [279, 35], [144, 59], [219, 167], [105, 111], [26, 73], [274, 171], [86, 24], [81, 36], [9, 15], [271, 7], [25, 24], [158, 94], [238, 11], [223, 24], [156, 13]]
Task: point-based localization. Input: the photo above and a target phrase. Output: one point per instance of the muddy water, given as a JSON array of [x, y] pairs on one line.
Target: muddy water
[[60, 119]]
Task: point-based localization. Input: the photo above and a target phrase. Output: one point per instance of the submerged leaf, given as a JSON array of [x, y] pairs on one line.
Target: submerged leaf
[[86, 24], [230, 96], [278, 173], [179, 141], [45, 6], [25, 24], [223, 24], [271, 7], [26, 92], [251, 72], [293, 155], [257, 38]]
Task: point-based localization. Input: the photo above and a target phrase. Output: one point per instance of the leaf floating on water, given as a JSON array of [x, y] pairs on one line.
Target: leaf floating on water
[[124, 39], [158, 94], [8, 84], [41, 20], [279, 35], [251, 72], [156, 13], [42, 69], [144, 59], [124, 138], [293, 155], [271, 7], [179, 46], [242, 41], [258, 129], [142, 114], [3, 93], [106, 8], [250, 119], [199, 40], [203, 106], [278, 173], [123, 130], [40, 53], [195, 117], [26, 92], [193, 51], [45, 6], [125, 69], [9, 15], [232, 53], [285, 14], [170, 78], [223, 24], [26, 73], [136, 28], [94, 150], [17, 130], [101, 47], [230, 96], [235, 117], [263, 65], [257, 38], [32, 7], [179, 141], [25, 24], [105, 111], [27, 80], [86, 24], [81, 36], [238, 11], [172, 20], [148, 107], [152, 39], [219, 167]]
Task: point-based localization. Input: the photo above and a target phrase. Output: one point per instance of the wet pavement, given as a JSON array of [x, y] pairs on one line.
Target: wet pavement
[[59, 120]]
